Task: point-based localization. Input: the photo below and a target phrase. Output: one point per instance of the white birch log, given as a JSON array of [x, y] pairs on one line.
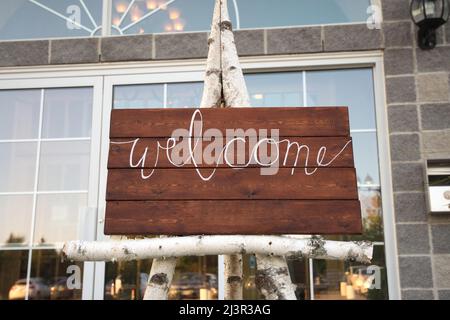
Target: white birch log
[[234, 88], [212, 89], [160, 278], [273, 279], [128, 250], [233, 277], [235, 94]]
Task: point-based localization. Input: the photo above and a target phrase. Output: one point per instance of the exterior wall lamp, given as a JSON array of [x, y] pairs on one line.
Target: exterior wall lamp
[[429, 15]]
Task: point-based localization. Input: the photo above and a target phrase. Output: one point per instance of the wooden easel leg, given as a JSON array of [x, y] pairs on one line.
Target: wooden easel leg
[[273, 279], [233, 277], [160, 278]]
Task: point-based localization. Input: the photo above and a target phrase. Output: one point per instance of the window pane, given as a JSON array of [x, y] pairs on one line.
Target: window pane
[[349, 88], [23, 19], [281, 89], [64, 165], [184, 95], [269, 13], [340, 280], [151, 16], [138, 96], [15, 219], [19, 111], [54, 279], [365, 152], [17, 166], [58, 216], [13, 273], [67, 113]]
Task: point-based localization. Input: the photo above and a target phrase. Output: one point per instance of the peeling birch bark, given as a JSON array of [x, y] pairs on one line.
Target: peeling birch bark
[[160, 278], [233, 277], [128, 250], [212, 89], [234, 88], [273, 279]]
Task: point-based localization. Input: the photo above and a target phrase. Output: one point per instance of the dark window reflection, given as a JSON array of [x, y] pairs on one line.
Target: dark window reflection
[[13, 272], [52, 278], [195, 278]]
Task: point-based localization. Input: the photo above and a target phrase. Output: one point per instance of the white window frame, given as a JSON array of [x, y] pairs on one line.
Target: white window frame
[[192, 70]]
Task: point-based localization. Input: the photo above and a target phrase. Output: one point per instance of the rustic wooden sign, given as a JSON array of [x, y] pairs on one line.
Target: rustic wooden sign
[[231, 171]]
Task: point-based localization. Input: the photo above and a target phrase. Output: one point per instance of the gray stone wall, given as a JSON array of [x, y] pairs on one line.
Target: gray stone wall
[[418, 107], [418, 102]]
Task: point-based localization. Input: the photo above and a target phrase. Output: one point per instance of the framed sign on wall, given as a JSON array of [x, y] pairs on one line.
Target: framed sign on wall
[[231, 171]]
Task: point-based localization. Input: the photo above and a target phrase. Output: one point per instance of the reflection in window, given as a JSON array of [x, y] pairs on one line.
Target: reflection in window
[[13, 273], [340, 280], [158, 16], [52, 279], [195, 278]]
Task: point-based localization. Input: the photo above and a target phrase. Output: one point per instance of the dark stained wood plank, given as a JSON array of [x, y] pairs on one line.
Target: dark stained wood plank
[[227, 183], [119, 152], [242, 217], [304, 121]]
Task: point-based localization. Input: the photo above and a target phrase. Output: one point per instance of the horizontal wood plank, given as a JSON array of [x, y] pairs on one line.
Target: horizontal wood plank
[[242, 217], [227, 183], [156, 157], [309, 121]]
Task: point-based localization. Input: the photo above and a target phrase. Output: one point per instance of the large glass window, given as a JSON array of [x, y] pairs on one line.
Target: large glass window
[[44, 168], [31, 19], [314, 279]]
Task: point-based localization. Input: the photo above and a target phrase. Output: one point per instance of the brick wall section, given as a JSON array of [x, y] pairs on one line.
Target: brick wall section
[[417, 94], [418, 106]]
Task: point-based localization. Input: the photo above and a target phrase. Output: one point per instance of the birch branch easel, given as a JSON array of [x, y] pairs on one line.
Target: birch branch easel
[[224, 86]]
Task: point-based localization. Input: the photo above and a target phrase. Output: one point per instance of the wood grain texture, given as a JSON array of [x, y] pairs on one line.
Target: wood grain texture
[[176, 201], [119, 153], [240, 184], [292, 122], [242, 217]]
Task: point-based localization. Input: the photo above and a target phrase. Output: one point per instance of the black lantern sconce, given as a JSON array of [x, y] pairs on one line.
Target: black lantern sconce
[[429, 15]]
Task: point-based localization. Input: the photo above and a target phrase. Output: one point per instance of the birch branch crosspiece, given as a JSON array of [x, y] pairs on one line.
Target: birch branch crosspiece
[[224, 86], [164, 248]]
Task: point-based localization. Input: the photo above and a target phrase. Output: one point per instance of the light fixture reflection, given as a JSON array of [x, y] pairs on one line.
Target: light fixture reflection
[[116, 21], [151, 4], [121, 7], [178, 26], [174, 14], [168, 28]]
